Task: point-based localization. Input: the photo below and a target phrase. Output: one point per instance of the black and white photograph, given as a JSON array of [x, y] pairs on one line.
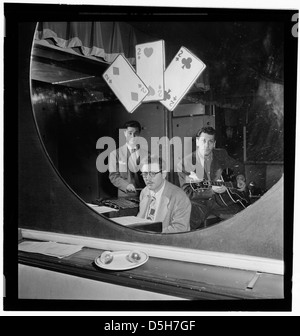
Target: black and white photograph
[[149, 159]]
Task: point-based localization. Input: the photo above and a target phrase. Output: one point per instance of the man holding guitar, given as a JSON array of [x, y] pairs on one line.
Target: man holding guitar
[[202, 177]]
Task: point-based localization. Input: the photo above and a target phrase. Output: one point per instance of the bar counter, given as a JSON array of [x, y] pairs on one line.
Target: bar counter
[[179, 279]]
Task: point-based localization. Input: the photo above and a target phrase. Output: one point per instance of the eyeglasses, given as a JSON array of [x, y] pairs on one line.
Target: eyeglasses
[[151, 174]]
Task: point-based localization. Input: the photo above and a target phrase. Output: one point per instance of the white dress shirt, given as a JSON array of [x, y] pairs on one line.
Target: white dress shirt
[[133, 157]]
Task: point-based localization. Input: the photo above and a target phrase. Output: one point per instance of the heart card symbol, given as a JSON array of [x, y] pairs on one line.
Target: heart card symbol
[[148, 51], [151, 91]]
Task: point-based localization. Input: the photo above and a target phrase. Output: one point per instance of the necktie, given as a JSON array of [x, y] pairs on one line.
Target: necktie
[[133, 166], [136, 156], [133, 156], [207, 168], [151, 210]]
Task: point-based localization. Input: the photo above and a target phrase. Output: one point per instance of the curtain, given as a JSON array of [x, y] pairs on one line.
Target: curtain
[[104, 40]]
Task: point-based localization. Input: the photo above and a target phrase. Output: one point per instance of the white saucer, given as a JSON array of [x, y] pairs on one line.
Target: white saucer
[[120, 261]]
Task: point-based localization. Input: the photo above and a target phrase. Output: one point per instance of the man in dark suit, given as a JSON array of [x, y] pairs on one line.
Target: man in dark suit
[[124, 162], [208, 164], [162, 201]]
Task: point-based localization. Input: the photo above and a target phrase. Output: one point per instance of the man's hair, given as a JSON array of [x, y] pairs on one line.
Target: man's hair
[[206, 129], [133, 123], [150, 159]]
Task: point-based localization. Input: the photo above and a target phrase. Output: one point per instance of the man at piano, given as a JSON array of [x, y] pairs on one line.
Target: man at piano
[[124, 162], [162, 201], [201, 176]]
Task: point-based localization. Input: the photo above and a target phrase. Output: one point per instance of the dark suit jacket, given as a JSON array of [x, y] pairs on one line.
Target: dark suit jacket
[[122, 173], [220, 161], [173, 211]]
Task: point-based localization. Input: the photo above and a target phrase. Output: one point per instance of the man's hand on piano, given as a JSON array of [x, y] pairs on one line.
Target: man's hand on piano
[[130, 188]]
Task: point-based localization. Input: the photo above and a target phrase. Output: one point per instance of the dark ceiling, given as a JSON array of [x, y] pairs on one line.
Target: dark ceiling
[[218, 42], [210, 35], [237, 54]]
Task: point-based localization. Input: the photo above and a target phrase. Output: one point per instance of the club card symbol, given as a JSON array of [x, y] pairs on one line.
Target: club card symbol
[[151, 91], [167, 95], [134, 96], [116, 71], [148, 52], [186, 62]]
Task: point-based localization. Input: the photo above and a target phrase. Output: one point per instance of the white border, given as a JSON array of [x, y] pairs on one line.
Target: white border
[[254, 4]]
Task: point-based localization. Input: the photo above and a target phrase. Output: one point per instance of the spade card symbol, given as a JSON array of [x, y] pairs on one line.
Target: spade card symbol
[[167, 95], [151, 91], [148, 51], [186, 62]]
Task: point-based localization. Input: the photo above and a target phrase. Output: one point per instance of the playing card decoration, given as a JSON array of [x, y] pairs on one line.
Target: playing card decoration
[[151, 82], [150, 67], [125, 83], [180, 75]]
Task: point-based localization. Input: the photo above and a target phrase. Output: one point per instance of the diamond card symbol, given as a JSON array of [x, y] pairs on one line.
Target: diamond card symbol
[[116, 71], [134, 96]]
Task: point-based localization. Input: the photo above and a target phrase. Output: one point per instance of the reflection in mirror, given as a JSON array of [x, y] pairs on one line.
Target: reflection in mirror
[[239, 94]]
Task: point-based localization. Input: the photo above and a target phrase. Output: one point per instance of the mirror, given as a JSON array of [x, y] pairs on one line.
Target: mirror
[[240, 94]]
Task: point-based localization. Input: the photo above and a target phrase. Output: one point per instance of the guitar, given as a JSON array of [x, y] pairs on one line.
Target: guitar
[[231, 196]]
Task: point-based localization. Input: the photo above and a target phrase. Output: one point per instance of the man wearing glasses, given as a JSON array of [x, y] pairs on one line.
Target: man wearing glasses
[[160, 200], [209, 164]]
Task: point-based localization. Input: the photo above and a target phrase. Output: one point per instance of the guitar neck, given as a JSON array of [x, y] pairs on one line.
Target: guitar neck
[[221, 183], [207, 184]]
